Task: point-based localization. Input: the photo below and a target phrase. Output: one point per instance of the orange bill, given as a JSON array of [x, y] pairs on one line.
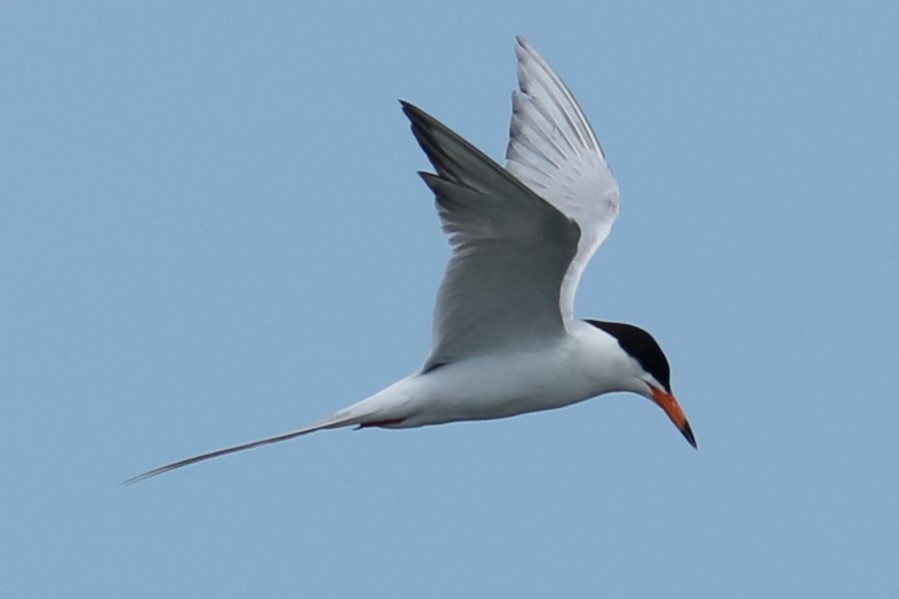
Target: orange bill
[[668, 403]]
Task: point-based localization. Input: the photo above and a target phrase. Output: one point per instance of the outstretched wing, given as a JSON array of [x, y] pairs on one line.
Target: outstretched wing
[[511, 250], [553, 150]]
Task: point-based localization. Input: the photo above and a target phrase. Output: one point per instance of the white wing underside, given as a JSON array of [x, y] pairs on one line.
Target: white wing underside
[[521, 236], [553, 150]]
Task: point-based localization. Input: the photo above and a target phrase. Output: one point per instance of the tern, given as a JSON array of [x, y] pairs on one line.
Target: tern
[[505, 339]]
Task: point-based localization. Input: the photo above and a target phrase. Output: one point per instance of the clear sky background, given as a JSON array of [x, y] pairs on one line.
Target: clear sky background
[[211, 230]]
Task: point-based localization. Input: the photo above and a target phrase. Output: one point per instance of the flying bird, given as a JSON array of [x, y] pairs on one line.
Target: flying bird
[[505, 339]]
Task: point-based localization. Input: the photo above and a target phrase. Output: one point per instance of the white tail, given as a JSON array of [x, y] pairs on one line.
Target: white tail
[[347, 417]]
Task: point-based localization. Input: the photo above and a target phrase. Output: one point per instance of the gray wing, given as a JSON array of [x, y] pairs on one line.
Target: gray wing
[[510, 250], [553, 150]]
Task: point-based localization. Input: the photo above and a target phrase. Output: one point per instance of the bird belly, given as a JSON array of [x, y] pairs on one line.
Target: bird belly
[[484, 388]]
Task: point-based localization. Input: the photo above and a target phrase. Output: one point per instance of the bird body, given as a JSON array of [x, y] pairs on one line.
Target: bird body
[[505, 340], [571, 368]]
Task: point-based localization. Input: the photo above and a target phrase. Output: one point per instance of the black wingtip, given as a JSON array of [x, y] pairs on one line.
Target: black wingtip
[[420, 120], [412, 112]]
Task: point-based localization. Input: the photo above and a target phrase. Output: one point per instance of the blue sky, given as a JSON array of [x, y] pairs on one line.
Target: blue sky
[[211, 230]]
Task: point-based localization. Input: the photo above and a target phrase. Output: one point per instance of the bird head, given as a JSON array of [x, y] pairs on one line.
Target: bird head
[[652, 377]]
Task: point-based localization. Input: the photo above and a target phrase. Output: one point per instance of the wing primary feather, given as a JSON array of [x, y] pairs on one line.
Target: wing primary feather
[[451, 155], [579, 124], [529, 128]]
